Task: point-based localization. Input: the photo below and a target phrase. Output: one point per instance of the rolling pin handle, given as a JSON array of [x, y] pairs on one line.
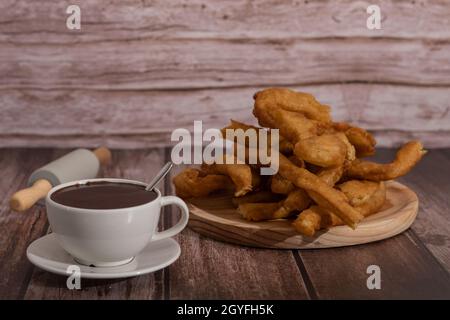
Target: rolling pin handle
[[24, 199], [103, 155]]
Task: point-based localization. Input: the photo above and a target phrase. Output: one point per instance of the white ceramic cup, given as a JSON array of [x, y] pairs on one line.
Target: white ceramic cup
[[110, 237]]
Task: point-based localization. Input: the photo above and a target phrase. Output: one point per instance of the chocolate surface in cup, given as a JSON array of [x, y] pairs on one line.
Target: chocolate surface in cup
[[103, 195]]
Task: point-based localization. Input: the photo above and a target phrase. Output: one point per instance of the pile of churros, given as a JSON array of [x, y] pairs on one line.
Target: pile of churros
[[322, 179]]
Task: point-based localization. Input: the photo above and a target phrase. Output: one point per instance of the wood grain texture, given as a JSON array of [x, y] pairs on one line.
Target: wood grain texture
[[132, 45], [216, 217], [407, 271], [209, 269], [112, 81], [133, 119], [156, 64], [429, 180], [18, 230], [43, 285], [134, 19]]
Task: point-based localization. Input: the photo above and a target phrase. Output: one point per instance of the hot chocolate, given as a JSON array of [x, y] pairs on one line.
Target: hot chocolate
[[103, 195]]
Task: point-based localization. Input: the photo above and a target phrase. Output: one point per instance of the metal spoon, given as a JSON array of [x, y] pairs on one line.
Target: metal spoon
[[161, 174]]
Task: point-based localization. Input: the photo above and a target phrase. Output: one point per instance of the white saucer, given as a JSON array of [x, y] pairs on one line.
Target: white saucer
[[46, 254]]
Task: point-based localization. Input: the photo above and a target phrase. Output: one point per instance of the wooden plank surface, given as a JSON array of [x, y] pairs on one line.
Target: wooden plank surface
[[209, 269], [157, 64], [431, 183], [413, 265], [225, 19], [123, 78], [18, 230], [134, 119], [159, 45], [130, 19], [407, 269]]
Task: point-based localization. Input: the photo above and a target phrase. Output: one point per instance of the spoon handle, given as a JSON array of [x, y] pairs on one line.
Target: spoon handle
[[161, 174]]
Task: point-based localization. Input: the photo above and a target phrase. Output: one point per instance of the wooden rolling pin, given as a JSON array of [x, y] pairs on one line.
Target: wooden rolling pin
[[76, 165]]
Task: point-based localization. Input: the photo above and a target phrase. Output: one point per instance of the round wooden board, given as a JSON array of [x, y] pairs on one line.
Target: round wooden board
[[216, 217]]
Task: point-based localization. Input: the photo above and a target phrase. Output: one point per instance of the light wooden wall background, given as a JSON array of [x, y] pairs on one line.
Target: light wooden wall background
[[139, 68]]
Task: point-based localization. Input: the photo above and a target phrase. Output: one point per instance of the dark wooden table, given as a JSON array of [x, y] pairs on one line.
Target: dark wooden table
[[413, 265]]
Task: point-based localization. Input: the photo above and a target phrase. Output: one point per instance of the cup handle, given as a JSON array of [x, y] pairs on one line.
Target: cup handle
[[179, 226]]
